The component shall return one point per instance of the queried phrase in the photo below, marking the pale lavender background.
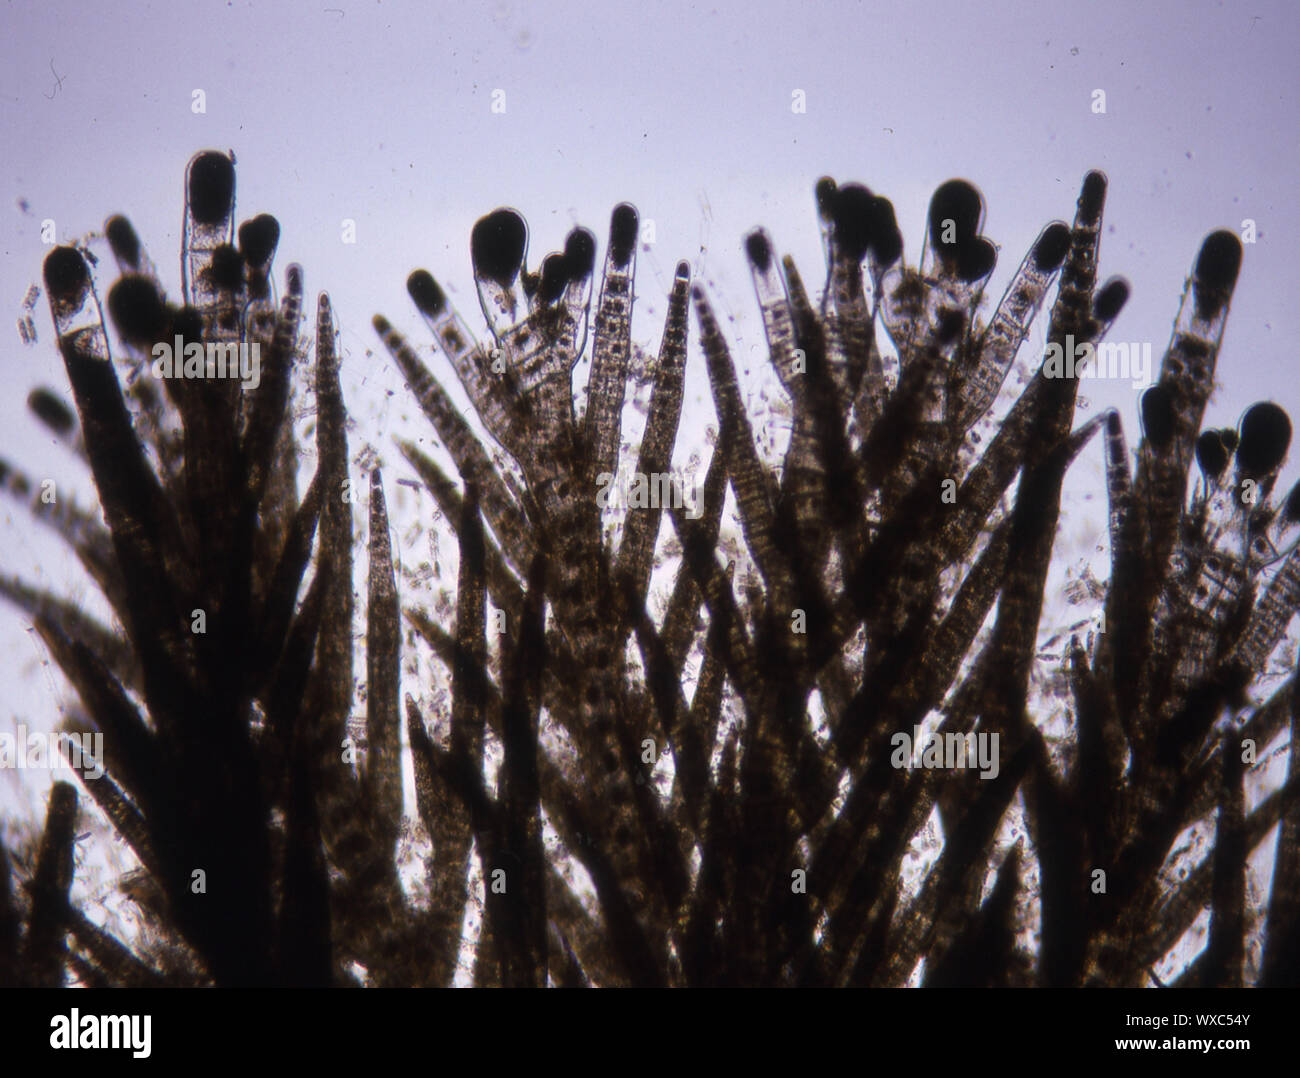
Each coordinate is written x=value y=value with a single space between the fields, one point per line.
x=381 y=113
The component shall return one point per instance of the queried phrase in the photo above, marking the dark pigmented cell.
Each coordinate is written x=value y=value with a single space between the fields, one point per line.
x=1216 y=272
x=137 y=309
x=66 y=276
x=555 y=278
x=957 y=201
x=623 y=224
x=51 y=411
x=1110 y=300
x=854 y=217
x=976 y=259
x=424 y=290
x=886 y=239
x=227 y=268
x=211 y=187
x=758 y=250
x=1158 y=416
x=497 y=246
x=1265 y=438
x=1092 y=198
x=258 y=239
x=580 y=253
x=123 y=240
x=1211 y=454
x=1052 y=245
x=576 y=263
x=825 y=195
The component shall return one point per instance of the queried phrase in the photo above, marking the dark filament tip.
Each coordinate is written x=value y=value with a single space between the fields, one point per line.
x=1052 y=245
x=958 y=201
x=623 y=226
x=976 y=259
x=555 y=278
x=1158 y=416
x=258 y=239
x=1092 y=198
x=758 y=250
x=211 y=187
x=1216 y=272
x=497 y=246
x=854 y=217
x=886 y=239
x=1211 y=454
x=1265 y=438
x=227 y=268
x=580 y=253
x=66 y=276
x=825 y=194
x=429 y=298
x=137 y=309
x=123 y=240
